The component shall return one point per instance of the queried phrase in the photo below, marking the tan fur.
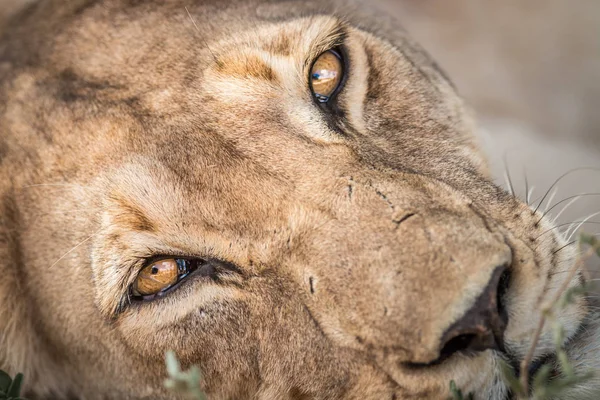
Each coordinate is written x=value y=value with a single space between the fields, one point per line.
x=360 y=234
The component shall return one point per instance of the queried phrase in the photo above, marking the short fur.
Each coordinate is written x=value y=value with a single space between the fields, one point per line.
x=360 y=232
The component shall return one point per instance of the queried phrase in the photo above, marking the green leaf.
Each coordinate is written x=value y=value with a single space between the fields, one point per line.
x=455 y=392
x=183 y=382
x=173 y=367
x=15 y=387
x=540 y=380
x=559 y=386
x=509 y=377
x=569 y=295
x=5 y=381
x=559 y=334
x=565 y=365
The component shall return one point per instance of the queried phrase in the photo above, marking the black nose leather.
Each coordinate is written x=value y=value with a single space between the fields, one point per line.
x=482 y=327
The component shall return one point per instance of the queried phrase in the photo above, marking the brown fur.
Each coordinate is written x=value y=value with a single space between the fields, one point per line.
x=359 y=233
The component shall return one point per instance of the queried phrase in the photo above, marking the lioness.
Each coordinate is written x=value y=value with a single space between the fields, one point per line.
x=287 y=194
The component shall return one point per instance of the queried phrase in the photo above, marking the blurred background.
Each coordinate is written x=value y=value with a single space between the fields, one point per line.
x=531 y=71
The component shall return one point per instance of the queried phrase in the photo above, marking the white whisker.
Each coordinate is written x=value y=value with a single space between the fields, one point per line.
x=553 y=194
x=562 y=177
x=568 y=225
x=526 y=186
x=75 y=211
x=53 y=185
x=529 y=194
x=508 y=183
x=569 y=236
x=571 y=200
x=74 y=248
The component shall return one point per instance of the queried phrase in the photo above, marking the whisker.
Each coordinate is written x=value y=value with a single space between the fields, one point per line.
x=569 y=224
x=566 y=199
x=507 y=176
x=566 y=207
x=571 y=243
x=526 y=186
x=569 y=236
x=552 y=195
x=529 y=193
x=75 y=211
x=591 y=296
x=560 y=178
x=539 y=197
x=75 y=247
x=566 y=245
x=202 y=38
x=53 y=185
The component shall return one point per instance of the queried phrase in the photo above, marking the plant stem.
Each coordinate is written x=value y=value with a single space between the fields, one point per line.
x=524 y=375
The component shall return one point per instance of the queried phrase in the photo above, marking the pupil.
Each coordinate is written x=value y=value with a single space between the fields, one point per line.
x=316 y=76
x=154 y=270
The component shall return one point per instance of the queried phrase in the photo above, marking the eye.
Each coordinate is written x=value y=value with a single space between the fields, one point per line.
x=326 y=75
x=157 y=278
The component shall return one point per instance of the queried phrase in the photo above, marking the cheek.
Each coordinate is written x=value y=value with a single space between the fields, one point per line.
x=220 y=339
x=185 y=321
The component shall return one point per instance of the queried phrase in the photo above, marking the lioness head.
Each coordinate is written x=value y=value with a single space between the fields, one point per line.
x=286 y=194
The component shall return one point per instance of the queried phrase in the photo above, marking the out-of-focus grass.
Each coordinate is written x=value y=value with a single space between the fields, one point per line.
x=183 y=382
x=10 y=388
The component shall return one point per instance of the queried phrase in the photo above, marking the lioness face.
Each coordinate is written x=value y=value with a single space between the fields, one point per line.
x=291 y=200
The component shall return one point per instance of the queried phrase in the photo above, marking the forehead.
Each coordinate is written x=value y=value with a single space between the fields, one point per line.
x=225 y=93
x=224 y=109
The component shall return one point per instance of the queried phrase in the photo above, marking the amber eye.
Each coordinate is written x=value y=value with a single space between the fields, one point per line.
x=326 y=75
x=158 y=277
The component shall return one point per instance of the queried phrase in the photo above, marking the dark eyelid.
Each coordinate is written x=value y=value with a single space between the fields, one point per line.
x=225 y=265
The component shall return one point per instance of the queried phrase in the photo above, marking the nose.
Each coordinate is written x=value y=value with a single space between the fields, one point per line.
x=481 y=327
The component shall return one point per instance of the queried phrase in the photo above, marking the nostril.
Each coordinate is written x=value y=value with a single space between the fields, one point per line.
x=503 y=286
x=482 y=326
x=459 y=343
